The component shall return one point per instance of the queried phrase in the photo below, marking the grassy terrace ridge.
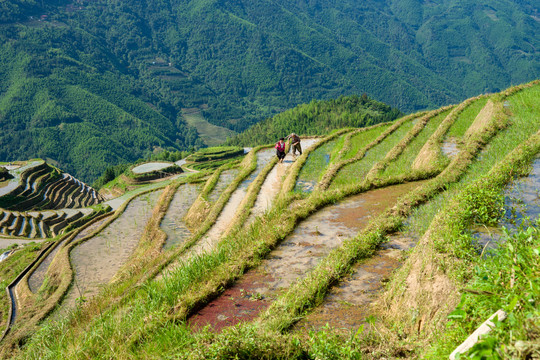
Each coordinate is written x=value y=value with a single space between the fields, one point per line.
x=144 y=311
x=10 y=268
x=60 y=273
x=146 y=254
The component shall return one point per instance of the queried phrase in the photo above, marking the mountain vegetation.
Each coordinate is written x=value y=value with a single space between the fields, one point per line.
x=318 y=118
x=96 y=83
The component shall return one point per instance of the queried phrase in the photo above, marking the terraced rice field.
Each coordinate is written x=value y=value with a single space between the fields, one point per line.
x=310 y=241
x=38 y=275
x=96 y=260
x=173 y=223
x=359 y=169
x=148 y=167
x=295 y=259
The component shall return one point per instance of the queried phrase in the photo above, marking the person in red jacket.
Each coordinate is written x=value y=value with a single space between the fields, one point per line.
x=280 y=149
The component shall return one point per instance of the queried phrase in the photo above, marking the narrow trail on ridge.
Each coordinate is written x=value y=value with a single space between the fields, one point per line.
x=300 y=252
x=97 y=260
x=272 y=184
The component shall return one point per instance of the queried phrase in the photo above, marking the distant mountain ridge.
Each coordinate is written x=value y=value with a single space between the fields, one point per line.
x=95 y=83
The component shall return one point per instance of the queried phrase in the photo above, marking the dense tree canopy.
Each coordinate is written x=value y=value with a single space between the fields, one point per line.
x=110 y=79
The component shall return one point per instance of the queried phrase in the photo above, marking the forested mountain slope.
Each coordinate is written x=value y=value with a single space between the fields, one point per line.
x=111 y=79
x=317 y=118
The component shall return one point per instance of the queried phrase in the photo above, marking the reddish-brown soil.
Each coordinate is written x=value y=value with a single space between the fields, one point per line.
x=300 y=252
x=349 y=303
x=240 y=303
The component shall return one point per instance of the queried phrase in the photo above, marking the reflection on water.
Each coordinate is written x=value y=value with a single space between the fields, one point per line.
x=172 y=223
x=450 y=149
x=312 y=240
x=521 y=209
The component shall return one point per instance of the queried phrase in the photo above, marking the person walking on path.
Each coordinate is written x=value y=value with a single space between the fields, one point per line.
x=295 y=143
x=280 y=149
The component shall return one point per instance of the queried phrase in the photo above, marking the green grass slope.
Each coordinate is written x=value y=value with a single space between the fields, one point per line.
x=142 y=314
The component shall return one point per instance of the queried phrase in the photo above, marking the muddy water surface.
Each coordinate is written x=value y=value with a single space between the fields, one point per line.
x=449 y=148
x=148 y=167
x=225 y=179
x=172 y=222
x=229 y=211
x=348 y=304
x=36 y=278
x=97 y=260
x=314 y=167
x=300 y=252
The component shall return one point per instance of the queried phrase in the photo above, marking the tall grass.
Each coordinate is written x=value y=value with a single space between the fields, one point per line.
x=404 y=162
x=358 y=170
x=465 y=119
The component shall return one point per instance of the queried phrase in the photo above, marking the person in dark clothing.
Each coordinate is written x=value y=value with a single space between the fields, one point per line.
x=280 y=149
x=295 y=143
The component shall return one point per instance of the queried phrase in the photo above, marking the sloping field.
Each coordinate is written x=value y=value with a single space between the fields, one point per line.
x=211 y=134
x=362 y=247
x=96 y=260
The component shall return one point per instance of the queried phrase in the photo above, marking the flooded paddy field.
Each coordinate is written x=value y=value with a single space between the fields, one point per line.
x=521 y=208
x=348 y=304
x=272 y=184
x=149 y=167
x=225 y=179
x=97 y=260
x=38 y=275
x=211 y=238
x=358 y=170
x=172 y=223
x=300 y=252
x=315 y=166
x=229 y=211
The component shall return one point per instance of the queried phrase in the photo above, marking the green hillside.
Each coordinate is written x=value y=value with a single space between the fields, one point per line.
x=318 y=118
x=116 y=77
x=393 y=240
x=73 y=105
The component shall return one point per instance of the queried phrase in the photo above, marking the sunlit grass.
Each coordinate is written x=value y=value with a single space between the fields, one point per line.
x=405 y=160
x=358 y=170
x=466 y=118
x=363 y=138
